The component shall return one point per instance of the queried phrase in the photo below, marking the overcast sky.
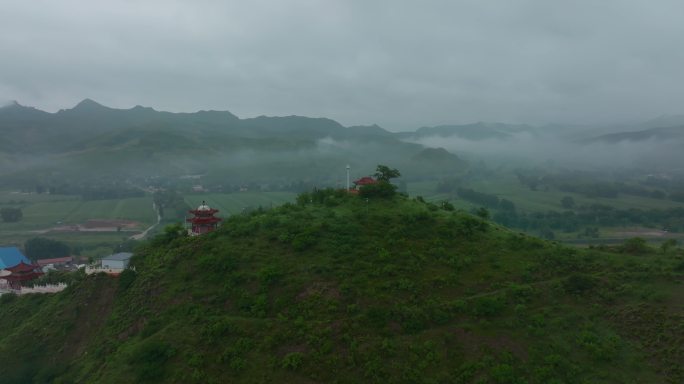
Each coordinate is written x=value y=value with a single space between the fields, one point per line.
x=400 y=64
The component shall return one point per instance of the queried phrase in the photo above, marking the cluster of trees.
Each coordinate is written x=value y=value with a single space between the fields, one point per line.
x=170 y=204
x=11 y=214
x=596 y=215
x=531 y=181
x=677 y=196
x=486 y=200
x=383 y=188
x=449 y=185
x=612 y=190
x=41 y=248
x=91 y=191
x=597 y=189
x=106 y=193
x=328 y=196
x=590 y=185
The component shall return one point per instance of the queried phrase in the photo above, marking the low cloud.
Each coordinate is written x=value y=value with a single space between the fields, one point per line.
x=358 y=62
x=530 y=149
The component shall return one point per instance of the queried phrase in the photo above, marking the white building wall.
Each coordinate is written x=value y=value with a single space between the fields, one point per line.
x=114 y=264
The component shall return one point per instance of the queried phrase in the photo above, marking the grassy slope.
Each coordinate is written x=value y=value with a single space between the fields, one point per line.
x=395 y=291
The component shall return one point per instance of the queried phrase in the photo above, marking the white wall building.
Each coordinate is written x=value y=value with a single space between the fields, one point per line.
x=116 y=261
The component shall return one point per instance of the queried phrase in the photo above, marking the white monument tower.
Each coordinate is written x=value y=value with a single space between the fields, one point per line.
x=348 y=168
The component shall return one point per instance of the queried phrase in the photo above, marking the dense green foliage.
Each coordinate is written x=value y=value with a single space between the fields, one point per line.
x=170 y=205
x=10 y=214
x=337 y=288
x=42 y=248
x=385 y=173
x=573 y=217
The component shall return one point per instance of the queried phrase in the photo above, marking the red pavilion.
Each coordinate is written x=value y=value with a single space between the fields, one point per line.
x=203 y=219
x=366 y=180
x=20 y=273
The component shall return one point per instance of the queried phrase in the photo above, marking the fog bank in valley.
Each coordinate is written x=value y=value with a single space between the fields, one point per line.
x=548 y=150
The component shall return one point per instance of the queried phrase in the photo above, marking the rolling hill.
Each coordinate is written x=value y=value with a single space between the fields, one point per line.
x=339 y=289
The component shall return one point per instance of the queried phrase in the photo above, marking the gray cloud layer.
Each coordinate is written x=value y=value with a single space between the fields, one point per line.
x=400 y=64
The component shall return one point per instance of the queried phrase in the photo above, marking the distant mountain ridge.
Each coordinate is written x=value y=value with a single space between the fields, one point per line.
x=477 y=131
x=88 y=118
x=659 y=133
x=92 y=138
x=38 y=131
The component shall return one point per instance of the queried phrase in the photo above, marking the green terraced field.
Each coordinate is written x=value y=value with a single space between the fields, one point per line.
x=534 y=201
x=232 y=203
x=42 y=212
x=542 y=200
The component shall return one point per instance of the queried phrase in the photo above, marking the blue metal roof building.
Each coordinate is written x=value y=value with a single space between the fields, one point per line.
x=11 y=256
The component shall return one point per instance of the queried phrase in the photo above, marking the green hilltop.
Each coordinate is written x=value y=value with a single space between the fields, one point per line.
x=348 y=289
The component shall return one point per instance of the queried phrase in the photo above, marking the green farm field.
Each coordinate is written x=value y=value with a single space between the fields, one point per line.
x=47 y=211
x=41 y=213
x=542 y=200
x=534 y=201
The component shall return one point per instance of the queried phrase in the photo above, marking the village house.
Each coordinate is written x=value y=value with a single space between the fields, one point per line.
x=112 y=264
x=56 y=263
x=117 y=261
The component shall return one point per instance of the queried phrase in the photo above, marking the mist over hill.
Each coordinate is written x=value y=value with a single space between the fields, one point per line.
x=91 y=140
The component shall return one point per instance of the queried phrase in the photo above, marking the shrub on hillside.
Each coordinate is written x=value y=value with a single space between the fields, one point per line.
x=579 y=283
x=381 y=189
x=42 y=248
x=11 y=215
x=635 y=245
x=149 y=359
x=126 y=278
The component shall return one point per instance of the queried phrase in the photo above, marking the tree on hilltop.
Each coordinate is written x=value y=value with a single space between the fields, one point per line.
x=385 y=173
x=383 y=188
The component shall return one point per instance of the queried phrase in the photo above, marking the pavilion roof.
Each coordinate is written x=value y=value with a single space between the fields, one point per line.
x=22 y=267
x=366 y=180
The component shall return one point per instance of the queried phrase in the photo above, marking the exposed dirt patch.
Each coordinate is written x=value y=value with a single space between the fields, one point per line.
x=99 y=223
x=642 y=232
